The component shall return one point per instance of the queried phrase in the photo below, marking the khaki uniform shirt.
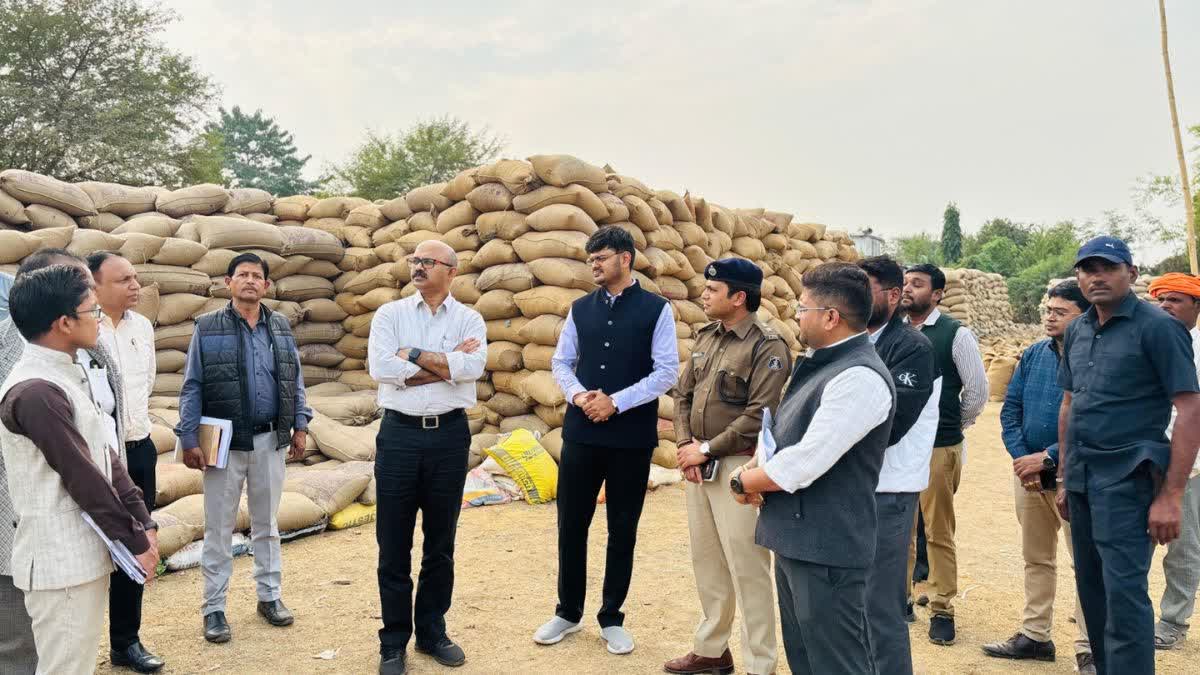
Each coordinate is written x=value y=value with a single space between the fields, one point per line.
x=731 y=376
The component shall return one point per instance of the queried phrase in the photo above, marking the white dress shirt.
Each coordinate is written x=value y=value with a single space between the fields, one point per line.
x=969 y=364
x=103 y=395
x=1174 y=413
x=854 y=402
x=408 y=323
x=664 y=350
x=131 y=344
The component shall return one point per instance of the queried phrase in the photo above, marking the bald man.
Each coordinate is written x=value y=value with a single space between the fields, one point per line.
x=426 y=352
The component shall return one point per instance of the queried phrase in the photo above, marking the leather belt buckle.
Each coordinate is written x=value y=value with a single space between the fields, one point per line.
x=426 y=422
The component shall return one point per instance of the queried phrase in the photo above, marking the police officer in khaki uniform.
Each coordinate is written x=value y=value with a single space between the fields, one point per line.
x=737 y=368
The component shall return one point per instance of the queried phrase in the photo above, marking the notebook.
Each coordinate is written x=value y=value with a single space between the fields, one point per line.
x=122 y=557
x=214 y=436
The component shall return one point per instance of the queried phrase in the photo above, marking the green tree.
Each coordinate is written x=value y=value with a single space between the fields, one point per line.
x=1154 y=194
x=387 y=165
x=1000 y=255
x=952 y=244
x=88 y=90
x=917 y=249
x=202 y=160
x=260 y=154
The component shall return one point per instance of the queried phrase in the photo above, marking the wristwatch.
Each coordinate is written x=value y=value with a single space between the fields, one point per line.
x=705 y=451
x=1048 y=463
x=735 y=484
x=414 y=354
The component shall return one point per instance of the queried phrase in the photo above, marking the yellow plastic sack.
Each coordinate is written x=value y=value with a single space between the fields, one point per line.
x=527 y=463
x=352 y=516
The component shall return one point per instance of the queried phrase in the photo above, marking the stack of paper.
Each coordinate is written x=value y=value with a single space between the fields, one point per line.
x=122 y=558
x=766 y=442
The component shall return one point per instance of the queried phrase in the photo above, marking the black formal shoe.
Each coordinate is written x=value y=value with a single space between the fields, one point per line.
x=391 y=662
x=445 y=652
x=941 y=630
x=216 y=628
x=275 y=613
x=1021 y=647
x=136 y=657
x=909 y=616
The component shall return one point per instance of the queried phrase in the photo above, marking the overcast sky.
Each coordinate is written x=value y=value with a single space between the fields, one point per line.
x=854 y=113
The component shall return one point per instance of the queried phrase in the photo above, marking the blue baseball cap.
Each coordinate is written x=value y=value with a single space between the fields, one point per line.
x=1109 y=248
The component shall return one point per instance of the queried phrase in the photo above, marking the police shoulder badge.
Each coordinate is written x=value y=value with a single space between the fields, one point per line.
x=775 y=363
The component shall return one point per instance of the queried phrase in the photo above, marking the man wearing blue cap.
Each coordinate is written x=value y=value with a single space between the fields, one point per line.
x=737 y=368
x=1121 y=483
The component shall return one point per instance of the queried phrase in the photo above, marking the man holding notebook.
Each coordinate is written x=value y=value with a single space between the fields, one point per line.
x=243 y=366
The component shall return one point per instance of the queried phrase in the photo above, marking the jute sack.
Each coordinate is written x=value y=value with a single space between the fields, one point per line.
x=622 y=186
x=179 y=307
x=175 y=481
x=317 y=268
x=672 y=288
x=105 y=222
x=33 y=188
x=168 y=384
x=462 y=238
x=505 y=356
x=322 y=310
x=379 y=276
x=395 y=209
x=357 y=409
x=358 y=326
x=664 y=455
x=293 y=208
x=140 y=248
x=564 y=272
x=12 y=211
x=427 y=198
x=332 y=491
x=335 y=207
x=458 y=215
x=689 y=312
x=508 y=405
x=510 y=277
x=496 y=304
x=412 y=240
x=534 y=245
x=463 y=289
x=170 y=361
x=750 y=248
x=494 y=252
x=318 y=333
x=179 y=253
x=16 y=246
x=378 y=297
x=353 y=346
x=530 y=423
x=553 y=416
x=299 y=288
x=553 y=442
x=661 y=263
x=510 y=383
x=646 y=282
x=506 y=330
x=541 y=387
x=320 y=355
x=826 y=250
x=514 y=174
x=186 y=230
x=148 y=301
x=661 y=213
x=542 y=197
x=291 y=265
x=174 y=534
x=334 y=226
x=42 y=217
x=315 y=244
x=685 y=271
x=319 y=375
x=543 y=330
x=562 y=170
x=358 y=237
x=640 y=213
x=198 y=199
x=55 y=237
x=238 y=234
x=178 y=336
x=358 y=259
x=490 y=197
x=617 y=210
x=667 y=238
x=163 y=438
x=680 y=212
x=327 y=389
x=169 y=279
x=119 y=200
x=507 y=225
x=248 y=200
x=547 y=300
x=999 y=374
x=358 y=380
x=297 y=512
x=341 y=442
x=424 y=221
x=389 y=233
x=537 y=357
x=367 y=216
x=561 y=217
x=460 y=186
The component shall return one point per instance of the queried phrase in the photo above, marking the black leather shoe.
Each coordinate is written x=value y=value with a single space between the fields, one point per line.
x=909 y=616
x=275 y=613
x=1021 y=647
x=941 y=630
x=391 y=662
x=136 y=657
x=445 y=652
x=216 y=628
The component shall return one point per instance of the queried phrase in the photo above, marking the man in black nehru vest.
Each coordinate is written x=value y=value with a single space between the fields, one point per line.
x=616 y=355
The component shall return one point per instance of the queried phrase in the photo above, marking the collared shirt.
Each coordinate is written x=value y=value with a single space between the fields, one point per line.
x=969 y=364
x=1029 y=418
x=6 y=283
x=408 y=323
x=131 y=344
x=664 y=351
x=854 y=402
x=733 y=373
x=102 y=394
x=1195 y=333
x=1122 y=377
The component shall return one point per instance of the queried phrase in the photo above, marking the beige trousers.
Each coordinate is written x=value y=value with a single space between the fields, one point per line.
x=67 y=626
x=731 y=571
x=1040 y=522
x=937 y=506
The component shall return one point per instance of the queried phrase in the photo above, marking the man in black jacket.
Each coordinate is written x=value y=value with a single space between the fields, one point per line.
x=909 y=358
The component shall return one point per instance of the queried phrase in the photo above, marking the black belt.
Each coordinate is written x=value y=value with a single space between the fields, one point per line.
x=130 y=445
x=263 y=428
x=427 y=422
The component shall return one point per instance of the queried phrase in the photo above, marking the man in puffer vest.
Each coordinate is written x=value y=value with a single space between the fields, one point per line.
x=62 y=466
x=243 y=366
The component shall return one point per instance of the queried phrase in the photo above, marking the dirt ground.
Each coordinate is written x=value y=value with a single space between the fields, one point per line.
x=506 y=588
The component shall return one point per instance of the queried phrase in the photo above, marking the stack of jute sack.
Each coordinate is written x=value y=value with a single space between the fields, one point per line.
x=1002 y=353
x=979 y=300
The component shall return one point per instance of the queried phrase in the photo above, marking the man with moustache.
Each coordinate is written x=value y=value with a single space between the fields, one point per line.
x=737 y=368
x=1121 y=484
x=1179 y=295
x=426 y=352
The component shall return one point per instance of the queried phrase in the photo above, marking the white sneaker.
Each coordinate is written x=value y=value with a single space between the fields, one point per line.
x=553 y=631
x=619 y=640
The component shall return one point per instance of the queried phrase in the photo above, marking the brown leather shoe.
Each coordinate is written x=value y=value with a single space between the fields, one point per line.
x=692 y=664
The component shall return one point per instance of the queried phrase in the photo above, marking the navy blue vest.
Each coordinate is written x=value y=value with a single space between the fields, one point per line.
x=615 y=346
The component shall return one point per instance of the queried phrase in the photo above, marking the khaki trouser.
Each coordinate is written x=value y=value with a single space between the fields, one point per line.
x=67 y=626
x=731 y=571
x=937 y=506
x=1040 y=521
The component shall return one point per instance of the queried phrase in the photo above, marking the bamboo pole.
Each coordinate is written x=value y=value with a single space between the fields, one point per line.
x=1188 y=206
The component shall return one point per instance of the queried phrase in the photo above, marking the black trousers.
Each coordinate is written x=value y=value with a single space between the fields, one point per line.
x=124 y=594
x=583 y=469
x=823 y=615
x=418 y=470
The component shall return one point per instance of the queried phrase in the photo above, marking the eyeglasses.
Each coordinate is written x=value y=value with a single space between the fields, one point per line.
x=593 y=260
x=96 y=313
x=1057 y=312
x=426 y=263
x=800 y=309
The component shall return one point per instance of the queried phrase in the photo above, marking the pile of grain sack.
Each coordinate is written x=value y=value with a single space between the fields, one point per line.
x=519 y=228
x=979 y=300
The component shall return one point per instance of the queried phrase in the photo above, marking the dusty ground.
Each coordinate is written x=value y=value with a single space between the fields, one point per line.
x=506 y=588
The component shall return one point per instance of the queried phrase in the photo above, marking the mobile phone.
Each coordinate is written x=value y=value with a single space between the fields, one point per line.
x=708 y=470
x=1049 y=478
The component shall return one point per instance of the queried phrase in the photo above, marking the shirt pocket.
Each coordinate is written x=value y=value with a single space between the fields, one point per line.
x=733 y=387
